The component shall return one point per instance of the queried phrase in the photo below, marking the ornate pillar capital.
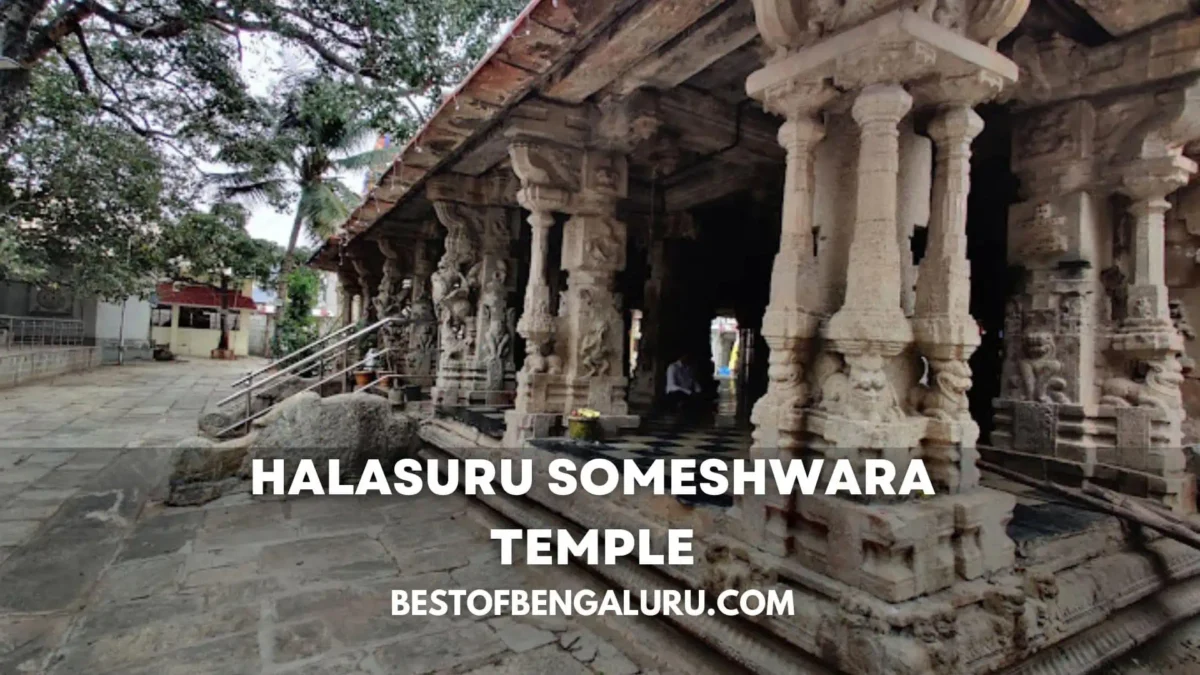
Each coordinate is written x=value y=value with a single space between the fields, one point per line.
x=800 y=132
x=955 y=126
x=882 y=105
x=1154 y=179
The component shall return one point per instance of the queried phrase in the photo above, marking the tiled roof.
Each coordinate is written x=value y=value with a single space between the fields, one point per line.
x=200 y=296
x=539 y=38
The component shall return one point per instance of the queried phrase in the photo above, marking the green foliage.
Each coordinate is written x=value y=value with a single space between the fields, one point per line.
x=82 y=200
x=172 y=68
x=318 y=132
x=205 y=247
x=296 y=326
x=102 y=130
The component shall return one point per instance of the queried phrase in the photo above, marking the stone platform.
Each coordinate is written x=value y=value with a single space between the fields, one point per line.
x=1084 y=590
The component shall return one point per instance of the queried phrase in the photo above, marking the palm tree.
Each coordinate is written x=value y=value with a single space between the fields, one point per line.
x=318 y=133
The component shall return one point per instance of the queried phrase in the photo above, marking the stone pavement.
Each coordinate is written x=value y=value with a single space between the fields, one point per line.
x=99 y=578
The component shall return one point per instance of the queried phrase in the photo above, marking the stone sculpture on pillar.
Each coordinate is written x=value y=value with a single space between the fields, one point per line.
x=455 y=288
x=575 y=359
x=1092 y=371
x=390 y=301
x=945 y=332
x=421 y=357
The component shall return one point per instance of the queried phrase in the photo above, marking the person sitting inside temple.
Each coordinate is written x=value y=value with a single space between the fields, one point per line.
x=684 y=392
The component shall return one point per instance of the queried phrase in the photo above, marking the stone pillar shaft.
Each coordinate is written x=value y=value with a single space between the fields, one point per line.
x=788 y=327
x=421 y=358
x=536 y=324
x=875 y=253
x=788 y=323
x=953 y=131
x=1149 y=247
x=943 y=326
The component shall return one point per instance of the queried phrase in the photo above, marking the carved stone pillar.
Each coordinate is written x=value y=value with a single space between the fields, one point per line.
x=861 y=375
x=593 y=252
x=1091 y=384
x=944 y=329
x=659 y=320
x=573 y=360
x=421 y=358
x=547 y=178
x=860 y=405
x=366 y=284
x=789 y=325
x=389 y=303
x=455 y=291
x=347 y=290
x=1145 y=394
x=496 y=321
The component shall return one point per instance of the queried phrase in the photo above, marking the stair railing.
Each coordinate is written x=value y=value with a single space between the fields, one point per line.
x=275 y=364
x=250 y=417
x=338 y=348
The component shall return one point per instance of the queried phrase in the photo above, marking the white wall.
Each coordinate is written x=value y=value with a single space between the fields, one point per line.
x=103 y=320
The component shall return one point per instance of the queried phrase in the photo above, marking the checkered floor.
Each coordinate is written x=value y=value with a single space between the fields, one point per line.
x=662 y=440
x=669 y=439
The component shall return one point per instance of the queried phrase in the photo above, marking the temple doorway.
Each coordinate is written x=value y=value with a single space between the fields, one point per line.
x=987 y=241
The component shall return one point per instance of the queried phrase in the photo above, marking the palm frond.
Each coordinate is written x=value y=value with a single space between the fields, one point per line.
x=370 y=159
x=261 y=192
x=323 y=208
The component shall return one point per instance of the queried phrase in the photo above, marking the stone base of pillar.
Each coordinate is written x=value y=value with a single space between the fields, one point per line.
x=523 y=426
x=461 y=384
x=1135 y=450
x=605 y=395
x=950 y=452
x=898 y=552
x=838 y=433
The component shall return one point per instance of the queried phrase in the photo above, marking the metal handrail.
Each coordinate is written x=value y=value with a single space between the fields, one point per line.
x=309 y=359
x=341 y=373
x=250 y=376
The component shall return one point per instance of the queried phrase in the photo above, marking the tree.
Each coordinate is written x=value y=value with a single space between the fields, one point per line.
x=82 y=199
x=319 y=133
x=296 y=326
x=214 y=246
x=170 y=69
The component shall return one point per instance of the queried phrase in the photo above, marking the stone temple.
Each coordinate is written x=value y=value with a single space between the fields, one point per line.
x=953 y=230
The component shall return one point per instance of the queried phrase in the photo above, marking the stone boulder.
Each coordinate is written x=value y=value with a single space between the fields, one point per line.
x=212 y=422
x=203 y=470
x=350 y=427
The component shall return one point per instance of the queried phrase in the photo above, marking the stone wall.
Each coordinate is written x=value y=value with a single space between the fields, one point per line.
x=19 y=367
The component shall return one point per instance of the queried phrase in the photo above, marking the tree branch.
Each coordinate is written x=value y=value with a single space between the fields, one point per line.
x=48 y=37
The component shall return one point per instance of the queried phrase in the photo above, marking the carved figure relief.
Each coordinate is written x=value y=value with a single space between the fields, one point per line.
x=495 y=345
x=787 y=390
x=452 y=302
x=603 y=248
x=1038 y=377
x=538 y=362
x=861 y=391
x=1043 y=235
x=594 y=352
x=947 y=398
x=1160 y=388
x=730 y=569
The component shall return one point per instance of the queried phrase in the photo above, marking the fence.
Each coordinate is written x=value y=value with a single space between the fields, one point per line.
x=17 y=332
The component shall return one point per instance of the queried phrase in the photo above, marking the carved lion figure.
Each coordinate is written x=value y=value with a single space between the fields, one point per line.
x=861 y=391
x=1039 y=378
x=946 y=399
x=1159 y=390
